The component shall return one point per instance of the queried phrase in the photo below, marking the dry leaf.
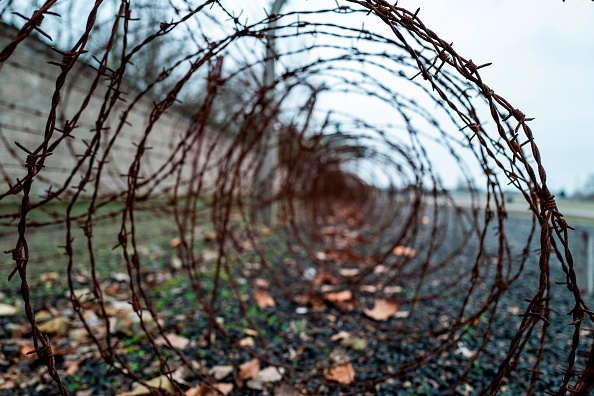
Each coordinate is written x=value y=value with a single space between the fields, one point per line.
x=342 y=373
x=344 y=300
x=205 y=390
x=340 y=296
x=71 y=367
x=263 y=300
x=382 y=309
x=48 y=277
x=250 y=332
x=404 y=251
x=248 y=370
x=161 y=382
x=262 y=283
x=54 y=326
x=356 y=343
x=340 y=335
x=246 y=342
x=176 y=341
x=270 y=374
x=175 y=242
x=286 y=390
x=8 y=310
x=349 y=272
x=220 y=372
x=7 y=385
x=27 y=351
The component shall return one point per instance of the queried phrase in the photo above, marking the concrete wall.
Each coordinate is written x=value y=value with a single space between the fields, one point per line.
x=27 y=83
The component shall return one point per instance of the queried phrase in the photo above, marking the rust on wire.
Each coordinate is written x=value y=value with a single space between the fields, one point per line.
x=357 y=203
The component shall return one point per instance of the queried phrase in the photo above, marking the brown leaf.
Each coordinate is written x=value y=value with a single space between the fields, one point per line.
x=382 y=310
x=27 y=351
x=246 y=342
x=220 y=372
x=175 y=242
x=48 y=277
x=342 y=373
x=71 y=367
x=161 y=382
x=263 y=300
x=404 y=251
x=344 y=300
x=205 y=390
x=7 y=385
x=325 y=278
x=176 y=341
x=349 y=272
x=262 y=283
x=286 y=390
x=340 y=296
x=249 y=370
x=341 y=335
x=250 y=332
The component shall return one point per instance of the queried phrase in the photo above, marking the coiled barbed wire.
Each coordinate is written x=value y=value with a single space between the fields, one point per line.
x=349 y=190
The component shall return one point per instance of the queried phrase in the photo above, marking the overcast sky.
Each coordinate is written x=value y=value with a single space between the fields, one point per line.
x=543 y=63
x=542 y=53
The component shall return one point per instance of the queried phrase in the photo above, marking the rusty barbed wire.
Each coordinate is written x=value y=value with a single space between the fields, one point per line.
x=360 y=204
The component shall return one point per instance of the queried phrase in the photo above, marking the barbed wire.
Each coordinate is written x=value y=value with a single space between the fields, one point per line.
x=394 y=206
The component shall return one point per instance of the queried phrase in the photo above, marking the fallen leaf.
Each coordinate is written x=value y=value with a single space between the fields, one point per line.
x=27 y=351
x=205 y=390
x=246 y=342
x=464 y=351
x=161 y=382
x=368 y=289
x=220 y=372
x=248 y=370
x=175 y=242
x=176 y=341
x=262 y=283
x=250 y=332
x=48 y=277
x=325 y=278
x=7 y=385
x=54 y=326
x=343 y=373
x=7 y=310
x=340 y=335
x=263 y=300
x=356 y=343
x=349 y=272
x=382 y=310
x=270 y=374
x=404 y=251
x=286 y=390
x=340 y=296
x=321 y=256
x=267 y=375
x=71 y=367
x=344 y=300
x=176 y=262
x=393 y=289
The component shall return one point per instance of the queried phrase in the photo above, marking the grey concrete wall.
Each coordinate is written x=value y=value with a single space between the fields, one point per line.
x=27 y=83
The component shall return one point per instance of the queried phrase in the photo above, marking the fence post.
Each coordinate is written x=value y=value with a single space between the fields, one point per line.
x=589 y=262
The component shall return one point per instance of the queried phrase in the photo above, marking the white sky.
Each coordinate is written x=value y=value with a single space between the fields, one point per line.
x=543 y=56
x=542 y=53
